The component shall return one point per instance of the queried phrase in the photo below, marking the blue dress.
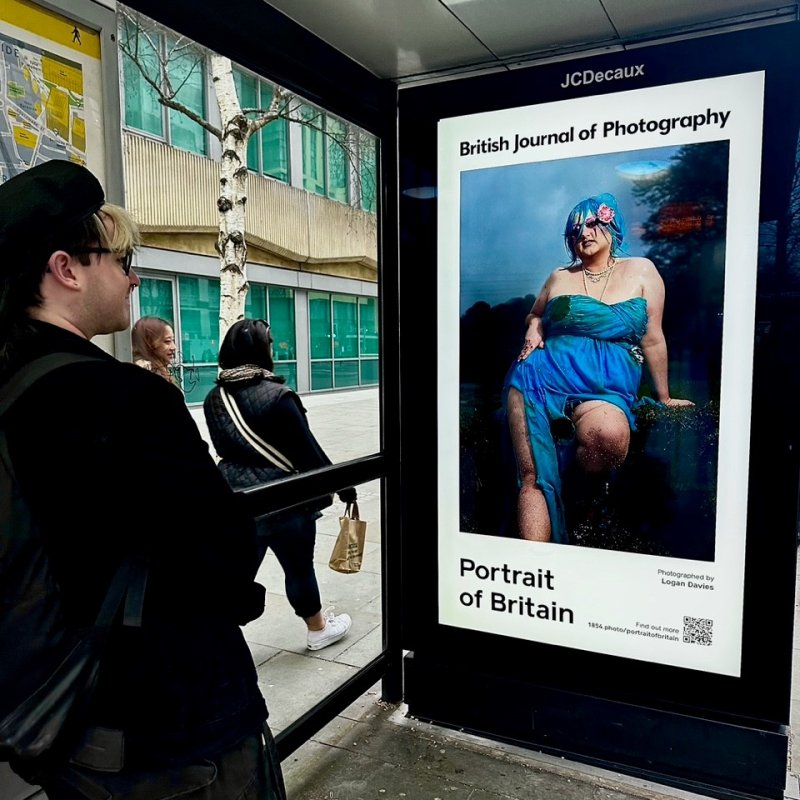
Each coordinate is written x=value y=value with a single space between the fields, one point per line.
x=592 y=352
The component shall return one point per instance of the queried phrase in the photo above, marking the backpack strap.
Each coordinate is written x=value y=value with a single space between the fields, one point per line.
x=29 y=373
x=266 y=450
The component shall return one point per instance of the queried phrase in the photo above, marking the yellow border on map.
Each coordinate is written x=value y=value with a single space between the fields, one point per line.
x=55 y=27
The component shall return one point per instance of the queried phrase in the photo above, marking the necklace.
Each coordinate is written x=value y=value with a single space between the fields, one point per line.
x=608 y=271
x=596 y=277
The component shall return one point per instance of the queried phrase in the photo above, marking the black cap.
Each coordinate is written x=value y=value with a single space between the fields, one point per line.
x=40 y=204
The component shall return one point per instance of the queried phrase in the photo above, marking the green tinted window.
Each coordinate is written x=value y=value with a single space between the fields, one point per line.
x=274 y=142
x=281 y=319
x=345 y=326
x=255 y=305
x=313 y=150
x=368 y=325
x=369 y=371
x=289 y=371
x=155 y=299
x=199 y=307
x=198 y=382
x=321 y=375
x=247 y=91
x=186 y=70
x=345 y=373
x=319 y=312
x=142 y=109
x=338 y=172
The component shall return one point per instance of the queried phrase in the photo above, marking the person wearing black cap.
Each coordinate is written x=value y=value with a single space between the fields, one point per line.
x=177 y=703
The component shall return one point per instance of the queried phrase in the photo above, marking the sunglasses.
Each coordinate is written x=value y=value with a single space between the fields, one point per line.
x=591 y=222
x=125 y=260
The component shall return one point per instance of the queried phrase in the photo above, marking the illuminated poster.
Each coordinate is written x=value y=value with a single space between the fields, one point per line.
x=641 y=553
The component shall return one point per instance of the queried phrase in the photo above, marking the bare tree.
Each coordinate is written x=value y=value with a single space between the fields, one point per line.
x=139 y=41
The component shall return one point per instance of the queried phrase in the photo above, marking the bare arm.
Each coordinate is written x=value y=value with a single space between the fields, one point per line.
x=534 y=336
x=654 y=345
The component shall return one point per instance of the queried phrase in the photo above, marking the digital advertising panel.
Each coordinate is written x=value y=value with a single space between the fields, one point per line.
x=592 y=488
x=600 y=278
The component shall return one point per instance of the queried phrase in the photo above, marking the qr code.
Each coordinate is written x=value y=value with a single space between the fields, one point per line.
x=697 y=630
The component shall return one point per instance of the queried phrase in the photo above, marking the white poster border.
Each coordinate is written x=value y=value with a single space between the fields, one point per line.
x=617 y=603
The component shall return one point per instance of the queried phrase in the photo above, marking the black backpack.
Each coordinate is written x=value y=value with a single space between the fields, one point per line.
x=47 y=670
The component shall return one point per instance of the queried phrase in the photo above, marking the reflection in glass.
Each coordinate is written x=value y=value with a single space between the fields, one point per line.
x=142 y=109
x=274 y=143
x=187 y=71
x=155 y=299
x=338 y=165
x=345 y=326
x=197 y=382
x=319 y=311
x=199 y=303
x=321 y=375
x=313 y=150
x=368 y=325
x=281 y=318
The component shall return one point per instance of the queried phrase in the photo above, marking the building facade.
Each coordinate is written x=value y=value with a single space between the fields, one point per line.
x=311 y=224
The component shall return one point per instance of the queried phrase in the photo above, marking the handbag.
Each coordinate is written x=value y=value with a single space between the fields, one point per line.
x=348 y=549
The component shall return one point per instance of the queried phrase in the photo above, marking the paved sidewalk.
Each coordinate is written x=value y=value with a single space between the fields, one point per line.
x=373 y=751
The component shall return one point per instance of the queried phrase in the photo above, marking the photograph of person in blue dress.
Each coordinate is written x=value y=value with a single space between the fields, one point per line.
x=571 y=394
x=592 y=300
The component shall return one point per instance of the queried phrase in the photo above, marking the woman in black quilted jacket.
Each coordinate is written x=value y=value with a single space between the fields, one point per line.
x=259 y=429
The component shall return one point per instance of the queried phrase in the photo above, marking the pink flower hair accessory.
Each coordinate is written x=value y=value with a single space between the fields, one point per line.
x=605 y=214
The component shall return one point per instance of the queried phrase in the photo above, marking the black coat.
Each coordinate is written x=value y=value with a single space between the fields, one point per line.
x=112 y=463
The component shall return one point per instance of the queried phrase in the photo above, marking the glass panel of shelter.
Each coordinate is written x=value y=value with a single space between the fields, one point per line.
x=325 y=335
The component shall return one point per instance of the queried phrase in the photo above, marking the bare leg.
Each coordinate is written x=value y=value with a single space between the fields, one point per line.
x=315 y=623
x=603 y=436
x=532 y=515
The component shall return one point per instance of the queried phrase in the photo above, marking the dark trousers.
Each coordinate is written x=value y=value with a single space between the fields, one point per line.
x=292 y=539
x=249 y=771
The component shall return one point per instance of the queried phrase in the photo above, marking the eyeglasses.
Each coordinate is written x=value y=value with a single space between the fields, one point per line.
x=125 y=260
x=591 y=222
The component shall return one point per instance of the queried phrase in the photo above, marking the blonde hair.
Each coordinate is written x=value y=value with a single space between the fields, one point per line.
x=126 y=234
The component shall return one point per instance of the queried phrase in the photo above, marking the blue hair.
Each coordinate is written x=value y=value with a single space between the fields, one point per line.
x=589 y=207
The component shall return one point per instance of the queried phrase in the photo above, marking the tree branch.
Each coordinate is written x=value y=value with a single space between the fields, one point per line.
x=181 y=108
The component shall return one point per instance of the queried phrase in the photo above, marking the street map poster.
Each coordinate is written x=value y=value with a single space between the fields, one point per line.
x=50 y=88
x=652 y=565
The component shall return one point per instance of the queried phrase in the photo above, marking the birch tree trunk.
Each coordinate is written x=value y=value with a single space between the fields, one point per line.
x=231 y=242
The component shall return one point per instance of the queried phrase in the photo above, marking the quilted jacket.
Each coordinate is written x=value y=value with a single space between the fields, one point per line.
x=276 y=414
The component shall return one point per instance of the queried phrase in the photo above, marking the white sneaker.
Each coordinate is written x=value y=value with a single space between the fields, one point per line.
x=335 y=628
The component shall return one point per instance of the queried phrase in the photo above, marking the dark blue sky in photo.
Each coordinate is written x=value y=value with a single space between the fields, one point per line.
x=513 y=217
